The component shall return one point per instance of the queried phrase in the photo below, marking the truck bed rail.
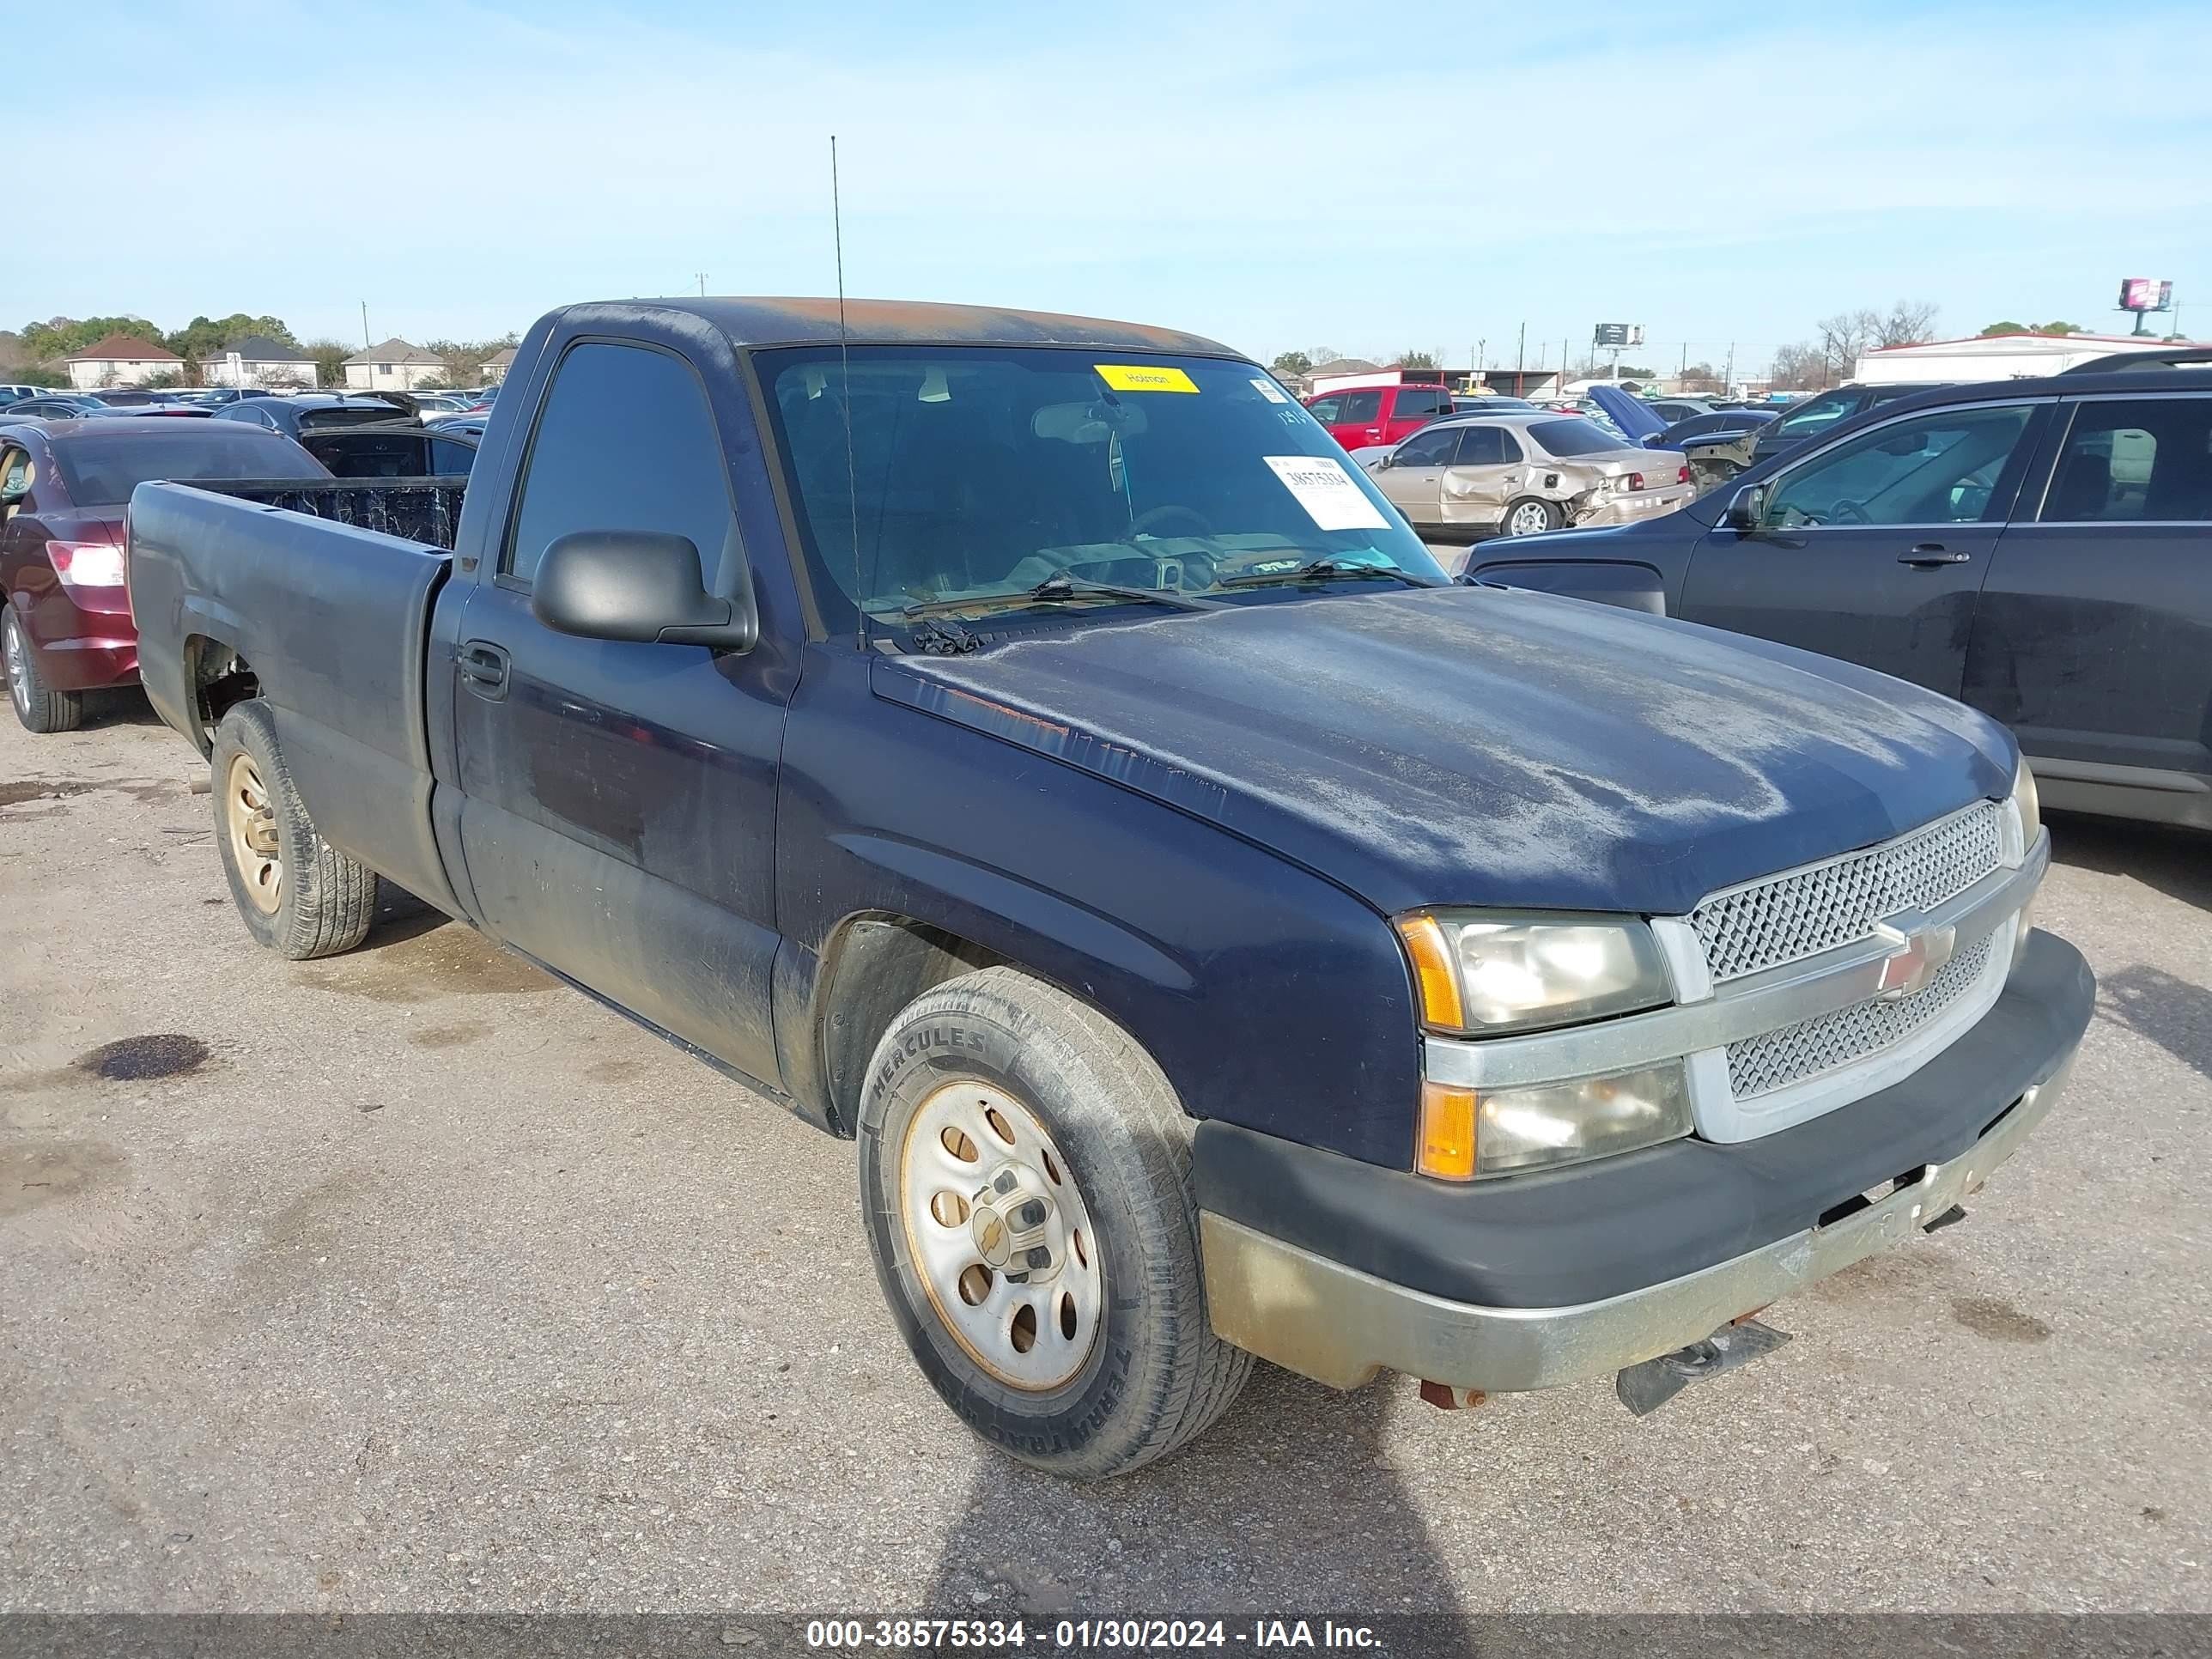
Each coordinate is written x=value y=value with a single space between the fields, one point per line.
x=425 y=510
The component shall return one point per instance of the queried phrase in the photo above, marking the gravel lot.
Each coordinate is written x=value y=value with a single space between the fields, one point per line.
x=433 y=1286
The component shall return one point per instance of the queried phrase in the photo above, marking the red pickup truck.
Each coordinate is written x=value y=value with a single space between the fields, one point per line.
x=1360 y=416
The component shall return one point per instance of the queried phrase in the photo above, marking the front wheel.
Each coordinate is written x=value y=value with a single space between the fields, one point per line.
x=40 y=709
x=1026 y=1175
x=1532 y=517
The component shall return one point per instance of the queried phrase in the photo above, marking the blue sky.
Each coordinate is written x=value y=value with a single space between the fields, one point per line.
x=1369 y=178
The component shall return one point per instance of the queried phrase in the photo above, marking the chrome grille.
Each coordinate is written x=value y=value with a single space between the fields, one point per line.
x=1807 y=911
x=1775 y=1059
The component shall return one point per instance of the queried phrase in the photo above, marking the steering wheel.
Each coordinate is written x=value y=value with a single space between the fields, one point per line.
x=1148 y=523
x=1846 y=511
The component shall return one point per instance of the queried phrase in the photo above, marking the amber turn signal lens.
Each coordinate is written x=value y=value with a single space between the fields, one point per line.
x=1433 y=971
x=1447 y=1148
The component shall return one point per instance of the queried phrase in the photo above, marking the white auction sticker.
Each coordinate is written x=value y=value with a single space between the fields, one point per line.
x=1327 y=492
x=1270 y=391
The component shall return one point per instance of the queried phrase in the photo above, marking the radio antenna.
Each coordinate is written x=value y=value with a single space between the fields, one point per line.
x=845 y=375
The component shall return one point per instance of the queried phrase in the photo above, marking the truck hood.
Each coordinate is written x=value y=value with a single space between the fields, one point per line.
x=1482 y=746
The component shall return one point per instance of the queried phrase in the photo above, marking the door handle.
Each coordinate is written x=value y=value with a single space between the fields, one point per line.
x=484 y=667
x=1927 y=554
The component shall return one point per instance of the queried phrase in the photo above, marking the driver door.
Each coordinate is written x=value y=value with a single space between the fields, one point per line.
x=1875 y=548
x=1414 y=478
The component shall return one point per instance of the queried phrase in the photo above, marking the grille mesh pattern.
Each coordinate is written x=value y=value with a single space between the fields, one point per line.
x=1775 y=1059
x=1801 y=914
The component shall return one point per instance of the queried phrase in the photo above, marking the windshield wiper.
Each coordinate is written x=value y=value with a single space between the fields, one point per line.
x=1060 y=587
x=1327 y=568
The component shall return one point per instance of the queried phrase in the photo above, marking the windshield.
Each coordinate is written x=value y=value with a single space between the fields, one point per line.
x=1824 y=410
x=981 y=472
x=102 y=469
x=1573 y=436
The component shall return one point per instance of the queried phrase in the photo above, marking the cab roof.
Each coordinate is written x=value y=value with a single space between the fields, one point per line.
x=771 y=322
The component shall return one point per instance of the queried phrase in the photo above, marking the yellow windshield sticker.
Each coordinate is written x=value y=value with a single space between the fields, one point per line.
x=1143 y=377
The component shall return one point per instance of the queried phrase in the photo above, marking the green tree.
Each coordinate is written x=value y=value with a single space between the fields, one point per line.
x=208 y=336
x=330 y=357
x=57 y=338
x=2006 y=327
x=1290 y=364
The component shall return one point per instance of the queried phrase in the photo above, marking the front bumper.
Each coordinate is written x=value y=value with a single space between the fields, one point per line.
x=1336 y=1269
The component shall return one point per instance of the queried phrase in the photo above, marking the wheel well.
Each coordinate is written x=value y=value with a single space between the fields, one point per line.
x=216 y=677
x=874 y=967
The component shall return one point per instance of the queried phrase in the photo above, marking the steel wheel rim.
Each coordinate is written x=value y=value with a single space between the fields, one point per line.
x=18 y=666
x=1031 y=1326
x=1529 y=520
x=251 y=823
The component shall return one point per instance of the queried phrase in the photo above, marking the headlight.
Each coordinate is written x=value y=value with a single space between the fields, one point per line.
x=2031 y=808
x=1467 y=1133
x=1485 y=975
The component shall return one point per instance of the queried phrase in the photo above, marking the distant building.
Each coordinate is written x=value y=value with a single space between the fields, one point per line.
x=1994 y=357
x=496 y=364
x=258 y=360
x=395 y=366
x=120 y=360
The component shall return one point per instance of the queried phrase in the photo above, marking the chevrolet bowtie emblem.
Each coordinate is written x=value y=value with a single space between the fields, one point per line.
x=1921 y=952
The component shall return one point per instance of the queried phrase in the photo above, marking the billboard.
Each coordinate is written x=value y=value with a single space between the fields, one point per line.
x=2146 y=294
x=1620 y=334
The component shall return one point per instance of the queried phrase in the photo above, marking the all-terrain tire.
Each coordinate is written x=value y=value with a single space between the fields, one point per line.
x=1155 y=1375
x=40 y=708
x=322 y=901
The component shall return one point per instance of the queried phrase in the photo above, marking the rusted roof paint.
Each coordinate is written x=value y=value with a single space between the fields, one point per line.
x=767 y=322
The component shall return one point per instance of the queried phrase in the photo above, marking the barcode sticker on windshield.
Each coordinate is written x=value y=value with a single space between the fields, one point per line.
x=1267 y=389
x=1327 y=492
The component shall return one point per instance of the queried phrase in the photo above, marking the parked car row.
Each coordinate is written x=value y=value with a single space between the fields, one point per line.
x=2040 y=548
x=65 y=626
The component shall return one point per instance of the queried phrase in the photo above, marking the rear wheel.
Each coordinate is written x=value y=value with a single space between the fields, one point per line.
x=1024 y=1170
x=1531 y=517
x=297 y=895
x=40 y=709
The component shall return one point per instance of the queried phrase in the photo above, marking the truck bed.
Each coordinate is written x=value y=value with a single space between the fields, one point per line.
x=323 y=591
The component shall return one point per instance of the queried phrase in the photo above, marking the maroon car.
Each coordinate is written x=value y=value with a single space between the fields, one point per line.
x=65 y=625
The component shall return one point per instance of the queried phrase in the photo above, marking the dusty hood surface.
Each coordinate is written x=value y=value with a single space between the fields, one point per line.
x=1480 y=746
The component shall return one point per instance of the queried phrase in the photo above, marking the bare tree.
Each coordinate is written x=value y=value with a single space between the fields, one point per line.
x=1910 y=322
x=1844 y=336
x=1699 y=377
x=1800 y=368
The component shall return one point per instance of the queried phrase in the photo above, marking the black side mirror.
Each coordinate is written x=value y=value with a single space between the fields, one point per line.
x=1745 y=507
x=637 y=584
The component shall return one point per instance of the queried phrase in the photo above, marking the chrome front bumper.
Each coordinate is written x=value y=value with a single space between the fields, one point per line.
x=1339 y=1325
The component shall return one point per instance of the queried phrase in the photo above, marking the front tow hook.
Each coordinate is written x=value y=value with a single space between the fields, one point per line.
x=1644 y=1389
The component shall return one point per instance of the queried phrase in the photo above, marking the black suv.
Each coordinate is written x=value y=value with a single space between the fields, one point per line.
x=2041 y=549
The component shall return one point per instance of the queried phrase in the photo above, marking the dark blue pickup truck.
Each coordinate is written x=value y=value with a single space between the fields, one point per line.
x=1025 y=745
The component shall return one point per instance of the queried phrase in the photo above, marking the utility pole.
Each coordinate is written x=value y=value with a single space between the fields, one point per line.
x=1728 y=374
x=702 y=275
x=365 y=342
x=1521 y=364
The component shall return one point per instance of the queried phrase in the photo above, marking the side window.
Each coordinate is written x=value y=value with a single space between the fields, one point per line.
x=625 y=441
x=15 y=481
x=1326 y=411
x=1361 y=406
x=1416 y=401
x=1482 y=446
x=2135 y=459
x=1935 y=468
x=1429 y=447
